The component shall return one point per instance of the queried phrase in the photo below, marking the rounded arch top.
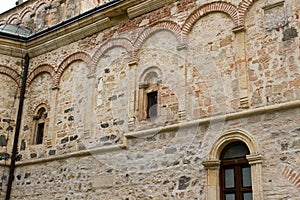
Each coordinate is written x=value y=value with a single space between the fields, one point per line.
x=40 y=104
x=38 y=4
x=106 y=46
x=168 y=25
x=13 y=19
x=79 y=56
x=45 y=68
x=232 y=136
x=24 y=12
x=11 y=73
x=243 y=7
x=224 y=7
x=150 y=74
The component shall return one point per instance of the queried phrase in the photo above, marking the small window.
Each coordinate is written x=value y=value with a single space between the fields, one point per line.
x=40 y=133
x=152 y=104
x=235 y=173
x=40 y=126
x=149 y=94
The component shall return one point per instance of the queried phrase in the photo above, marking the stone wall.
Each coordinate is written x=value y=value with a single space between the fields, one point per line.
x=166 y=165
x=273 y=79
x=217 y=67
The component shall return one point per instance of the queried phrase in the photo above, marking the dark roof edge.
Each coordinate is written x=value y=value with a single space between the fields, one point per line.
x=13 y=37
x=61 y=24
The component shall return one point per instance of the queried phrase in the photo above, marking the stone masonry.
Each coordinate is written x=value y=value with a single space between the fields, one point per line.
x=223 y=70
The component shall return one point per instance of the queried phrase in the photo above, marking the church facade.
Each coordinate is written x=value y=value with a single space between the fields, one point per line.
x=135 y=99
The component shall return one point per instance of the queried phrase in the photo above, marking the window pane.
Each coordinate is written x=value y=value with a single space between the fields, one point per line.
x=235 y=150
x=246 y=173
x=152 y=104
x=247 y=196
x=229 y=178
x=229 y=196
x=40 y=133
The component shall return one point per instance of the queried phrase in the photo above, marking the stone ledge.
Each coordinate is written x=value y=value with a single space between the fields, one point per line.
x=142 y=133
x=238 y=29
x=213 y=119
x=74 y=154
x=268 y=7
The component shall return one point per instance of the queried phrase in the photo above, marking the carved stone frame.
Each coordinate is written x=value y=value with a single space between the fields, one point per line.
x=145 y=86
x=212 y=164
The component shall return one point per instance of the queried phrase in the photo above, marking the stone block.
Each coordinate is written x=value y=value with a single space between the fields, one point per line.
x=104 y=182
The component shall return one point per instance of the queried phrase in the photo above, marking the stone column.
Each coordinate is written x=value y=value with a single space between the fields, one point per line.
x=242 y=67
x=255 y=161
x=213 y=170
x=89 y=114
x=132 y=94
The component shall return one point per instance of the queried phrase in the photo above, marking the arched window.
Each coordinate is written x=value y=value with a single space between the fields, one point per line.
x=40 y=119
x=235 y=173
x=149 y=93
x=234 y=159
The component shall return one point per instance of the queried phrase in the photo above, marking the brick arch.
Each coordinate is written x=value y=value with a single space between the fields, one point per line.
x=35 y=106
x=24 y=12
x=79 y=56
x=203 y=10
x=112 y=43
x=11 y=73
x=243 y=7
x=38 y=4
x=171 y=26
x=44 y=68
x=289 y=173
x=12 y=18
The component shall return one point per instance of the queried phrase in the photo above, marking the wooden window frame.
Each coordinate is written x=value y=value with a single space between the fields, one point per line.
x=145 y=89
x=152 y=102
x=212 y=163
x=237 y=164
x=39 y=121
x=40 y=133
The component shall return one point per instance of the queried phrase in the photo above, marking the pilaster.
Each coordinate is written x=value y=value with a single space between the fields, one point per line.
x=182 y=89
x=132 y=94
x=51 y=135
x=255 y=160
x=213 y=168
x=241 y=63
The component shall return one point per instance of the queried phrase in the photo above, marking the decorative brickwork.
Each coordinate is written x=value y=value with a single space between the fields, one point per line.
x=203 y=10
x=27 y=10
x=117 y=42
x=243 y=7
x=45 y=68
x=291 y=175
x=11 y=73
x=171 y=26
x=67 y=61
x=33 y=108
x=13 y=19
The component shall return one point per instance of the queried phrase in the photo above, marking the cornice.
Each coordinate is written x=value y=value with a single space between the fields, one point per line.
x=77 y=28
